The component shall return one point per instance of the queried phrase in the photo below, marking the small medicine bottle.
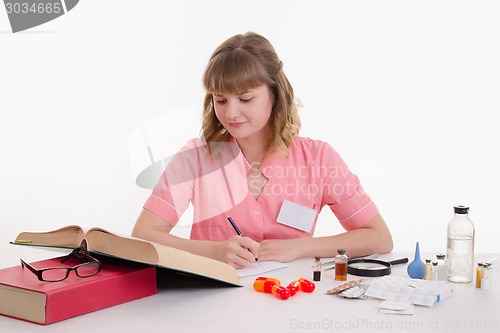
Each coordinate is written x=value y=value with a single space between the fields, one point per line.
x=427 y=269
x=317 y=269
x=435 y=271
x=486 y=280
x=441 y=260
x=341 y=265
x=479 y=274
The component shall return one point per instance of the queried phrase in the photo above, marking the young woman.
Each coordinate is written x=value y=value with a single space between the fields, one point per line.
x=251 y=164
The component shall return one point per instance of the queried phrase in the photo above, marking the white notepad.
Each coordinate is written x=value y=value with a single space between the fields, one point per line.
x=259 y=268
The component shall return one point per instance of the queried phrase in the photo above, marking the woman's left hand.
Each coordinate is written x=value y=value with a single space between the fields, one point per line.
x=283 y=250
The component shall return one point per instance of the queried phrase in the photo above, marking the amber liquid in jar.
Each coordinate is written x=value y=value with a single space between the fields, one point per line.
x=341 y=271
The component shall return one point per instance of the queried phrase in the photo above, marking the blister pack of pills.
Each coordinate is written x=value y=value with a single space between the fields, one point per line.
x=405 y=290
x=344 y=286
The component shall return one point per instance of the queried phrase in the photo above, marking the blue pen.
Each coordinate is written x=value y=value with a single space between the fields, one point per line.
x=229 y=218
x=234 y=226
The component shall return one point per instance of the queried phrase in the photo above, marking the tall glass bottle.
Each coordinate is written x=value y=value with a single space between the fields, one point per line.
x=460 y=248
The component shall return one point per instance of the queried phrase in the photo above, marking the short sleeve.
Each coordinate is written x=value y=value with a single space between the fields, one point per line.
x=342 y=191
x=174 y=190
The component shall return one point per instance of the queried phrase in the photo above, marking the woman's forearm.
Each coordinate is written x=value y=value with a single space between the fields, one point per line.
x=154 y=229
x=237 y=251
x=374 y=237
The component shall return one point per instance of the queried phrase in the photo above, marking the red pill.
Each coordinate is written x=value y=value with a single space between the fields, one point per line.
x=265 y=284
x=281 y=292
x=293 y=287
x=306 y=285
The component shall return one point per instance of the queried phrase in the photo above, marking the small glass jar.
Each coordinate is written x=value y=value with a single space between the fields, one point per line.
x=435 y=271
x=441 y=260
x=341 y=265
x=428 y=270
x=486 y=281
x=479 y=274
x=317 y=269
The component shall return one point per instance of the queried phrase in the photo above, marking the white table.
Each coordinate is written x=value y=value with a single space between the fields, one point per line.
x=187 y=307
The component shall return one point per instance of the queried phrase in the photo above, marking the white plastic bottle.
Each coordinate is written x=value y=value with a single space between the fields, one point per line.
x=460 y=247
x=441 y=259
x=486 y=281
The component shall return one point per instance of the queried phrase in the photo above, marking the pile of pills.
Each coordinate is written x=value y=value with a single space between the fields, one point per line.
x=273 y=286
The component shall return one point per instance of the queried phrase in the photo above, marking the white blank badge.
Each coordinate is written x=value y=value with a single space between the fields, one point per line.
x=296 y=216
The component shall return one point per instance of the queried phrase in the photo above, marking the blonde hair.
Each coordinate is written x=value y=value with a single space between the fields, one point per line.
x=241 y=63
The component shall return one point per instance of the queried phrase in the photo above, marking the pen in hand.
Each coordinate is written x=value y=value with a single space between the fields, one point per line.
x=235 y=227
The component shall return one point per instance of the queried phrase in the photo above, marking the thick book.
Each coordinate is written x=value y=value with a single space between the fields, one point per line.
x=101 y=241
x=23 y=296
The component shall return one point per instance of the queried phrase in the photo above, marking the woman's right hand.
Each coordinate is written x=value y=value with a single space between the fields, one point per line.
x=237 y=251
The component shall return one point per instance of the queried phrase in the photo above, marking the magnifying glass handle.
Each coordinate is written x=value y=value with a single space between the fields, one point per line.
x=399 y=261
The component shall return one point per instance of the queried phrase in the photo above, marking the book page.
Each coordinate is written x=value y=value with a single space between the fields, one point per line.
x=125 y=247
x=259 y=268
x=22 y=303
x=104 y=242
x=101 y=241
x=191 y=263
x=69 y=237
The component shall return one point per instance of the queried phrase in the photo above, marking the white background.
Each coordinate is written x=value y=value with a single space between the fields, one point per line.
x=406 y=91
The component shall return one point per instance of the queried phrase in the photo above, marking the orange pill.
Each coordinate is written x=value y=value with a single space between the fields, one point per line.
x=306 y=285
x=293 y=287
x=265 y=284
x=280 y=292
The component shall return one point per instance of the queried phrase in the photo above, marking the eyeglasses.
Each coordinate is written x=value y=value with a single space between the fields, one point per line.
x=56 y=274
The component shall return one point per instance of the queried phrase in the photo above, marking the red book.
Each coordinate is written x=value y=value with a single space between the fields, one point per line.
x=24 y=297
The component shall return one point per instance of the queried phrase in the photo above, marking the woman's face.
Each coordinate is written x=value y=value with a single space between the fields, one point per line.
x=245 y=115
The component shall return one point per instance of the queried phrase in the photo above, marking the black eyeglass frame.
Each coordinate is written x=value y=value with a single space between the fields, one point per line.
x=77 y=253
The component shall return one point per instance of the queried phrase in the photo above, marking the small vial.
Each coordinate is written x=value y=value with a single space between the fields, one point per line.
x=428 y=270
x=479 y=274
x=486 y=281
x=435 y=271
x=441 y=259
x=317 y=269
x=341 y=265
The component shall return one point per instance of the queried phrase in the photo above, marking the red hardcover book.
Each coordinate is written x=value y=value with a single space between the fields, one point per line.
x=23 y=296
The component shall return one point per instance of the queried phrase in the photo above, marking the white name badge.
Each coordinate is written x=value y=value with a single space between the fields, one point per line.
x=296 y=216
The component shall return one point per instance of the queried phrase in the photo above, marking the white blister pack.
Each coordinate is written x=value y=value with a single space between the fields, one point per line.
x=405 y=290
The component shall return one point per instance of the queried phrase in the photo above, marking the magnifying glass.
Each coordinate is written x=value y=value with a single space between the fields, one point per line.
x=372 y=267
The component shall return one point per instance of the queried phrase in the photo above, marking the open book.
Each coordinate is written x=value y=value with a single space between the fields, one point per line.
x=100 y=241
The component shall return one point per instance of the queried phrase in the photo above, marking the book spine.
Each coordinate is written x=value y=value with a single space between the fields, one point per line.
x=117 y=289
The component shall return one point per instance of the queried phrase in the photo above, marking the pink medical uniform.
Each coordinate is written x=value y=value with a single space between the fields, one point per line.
x=313 y=175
